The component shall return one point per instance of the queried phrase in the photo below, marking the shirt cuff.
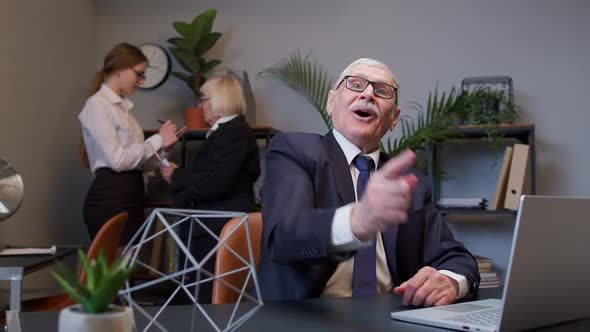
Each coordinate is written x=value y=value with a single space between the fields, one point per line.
x=156 y=142
x=461 y=280
x=342 y=238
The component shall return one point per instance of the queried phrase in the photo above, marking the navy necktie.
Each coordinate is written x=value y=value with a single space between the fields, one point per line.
x=364 y=278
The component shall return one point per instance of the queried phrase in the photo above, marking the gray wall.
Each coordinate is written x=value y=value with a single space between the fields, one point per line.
x=46 y=62
x=52 y=48
x=542 y=45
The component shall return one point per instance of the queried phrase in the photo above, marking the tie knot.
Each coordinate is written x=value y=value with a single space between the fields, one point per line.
x=363 y=163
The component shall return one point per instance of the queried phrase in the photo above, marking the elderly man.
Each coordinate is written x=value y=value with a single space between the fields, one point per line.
x=331 y=230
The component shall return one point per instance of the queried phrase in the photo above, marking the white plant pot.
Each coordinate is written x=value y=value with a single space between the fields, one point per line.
x=117 y=319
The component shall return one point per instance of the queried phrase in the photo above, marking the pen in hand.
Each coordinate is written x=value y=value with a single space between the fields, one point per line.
x=179 y=132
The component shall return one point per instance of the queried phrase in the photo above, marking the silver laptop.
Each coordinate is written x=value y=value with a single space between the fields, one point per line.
x=547 y=281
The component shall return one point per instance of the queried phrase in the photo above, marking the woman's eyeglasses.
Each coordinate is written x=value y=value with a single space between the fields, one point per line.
x=139 y=74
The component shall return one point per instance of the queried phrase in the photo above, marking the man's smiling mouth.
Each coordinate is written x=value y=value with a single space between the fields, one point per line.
x=363 y=113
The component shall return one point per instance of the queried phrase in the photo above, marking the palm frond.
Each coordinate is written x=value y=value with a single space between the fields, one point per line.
x=430 y=126
x=305 y=77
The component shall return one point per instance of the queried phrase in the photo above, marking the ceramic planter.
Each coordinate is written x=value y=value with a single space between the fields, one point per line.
x=117 y=319
x=193 y=118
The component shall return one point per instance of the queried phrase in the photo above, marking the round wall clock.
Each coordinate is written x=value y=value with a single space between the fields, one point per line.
x=159 y=65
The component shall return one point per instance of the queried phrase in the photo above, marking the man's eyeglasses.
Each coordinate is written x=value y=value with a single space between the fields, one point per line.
x=359 y=84
x=140 y=75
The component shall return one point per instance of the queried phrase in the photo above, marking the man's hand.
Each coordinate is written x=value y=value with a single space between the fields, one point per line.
x=386 y=199
x=167 y=171
x=428 y=288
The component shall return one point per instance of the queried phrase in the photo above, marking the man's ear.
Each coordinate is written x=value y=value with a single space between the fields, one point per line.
x=330 y=102
x=396 y=113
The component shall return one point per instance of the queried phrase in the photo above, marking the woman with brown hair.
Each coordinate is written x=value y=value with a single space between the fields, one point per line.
x=113 y=143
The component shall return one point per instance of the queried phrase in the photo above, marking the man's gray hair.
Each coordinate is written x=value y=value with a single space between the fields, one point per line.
x=366 y=62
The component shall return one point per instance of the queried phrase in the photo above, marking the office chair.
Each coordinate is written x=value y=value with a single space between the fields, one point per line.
x=106 y=239
x=227 y=261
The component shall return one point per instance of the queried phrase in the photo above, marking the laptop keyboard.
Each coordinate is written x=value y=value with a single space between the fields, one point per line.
x=489 y=317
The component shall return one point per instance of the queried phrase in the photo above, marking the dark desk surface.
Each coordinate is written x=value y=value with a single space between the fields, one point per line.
x=14 y=268
x=32 y=263
x=337 y=314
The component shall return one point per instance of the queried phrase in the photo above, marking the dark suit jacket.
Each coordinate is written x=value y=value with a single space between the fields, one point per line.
x=307 y=178
x=222 y=173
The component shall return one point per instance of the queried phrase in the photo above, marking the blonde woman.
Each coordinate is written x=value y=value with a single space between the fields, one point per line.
x=221 y=176
x=113 y=143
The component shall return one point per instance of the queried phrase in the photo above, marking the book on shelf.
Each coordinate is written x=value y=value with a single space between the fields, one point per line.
x=490 y=284
x=171 y=257
x=487 y=282
x=500 y=194
x=157 y=249
x=518 y=179
x=484 y=264
x=488 y=277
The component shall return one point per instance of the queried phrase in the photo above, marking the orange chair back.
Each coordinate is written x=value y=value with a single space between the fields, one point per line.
x=227 y=261
x=107 y=239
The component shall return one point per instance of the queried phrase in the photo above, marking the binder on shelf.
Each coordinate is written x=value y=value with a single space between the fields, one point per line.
x=157 y=248
x=499 y=196
x=518 y=180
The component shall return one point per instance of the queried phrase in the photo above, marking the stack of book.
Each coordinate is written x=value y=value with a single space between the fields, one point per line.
x=489 y=277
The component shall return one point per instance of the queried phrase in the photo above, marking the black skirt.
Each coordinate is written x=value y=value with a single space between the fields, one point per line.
x=112 y=193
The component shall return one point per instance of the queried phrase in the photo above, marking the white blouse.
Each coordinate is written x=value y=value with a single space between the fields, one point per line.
x=112 y=136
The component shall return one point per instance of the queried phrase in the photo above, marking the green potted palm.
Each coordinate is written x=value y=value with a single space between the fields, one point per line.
x=95 y=310
x=305 y=77
x=310 y=79
x=430 y=125
x=195 y=39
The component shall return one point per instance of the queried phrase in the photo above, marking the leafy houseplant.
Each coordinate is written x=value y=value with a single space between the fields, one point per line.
x=95 y=295
x=311 y=80
x=196 y=38
x=305 y=77
x=431 y=127
x=480 y=106
x=488 y=108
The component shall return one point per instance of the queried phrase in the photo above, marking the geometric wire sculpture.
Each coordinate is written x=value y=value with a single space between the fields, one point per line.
x=171 y=230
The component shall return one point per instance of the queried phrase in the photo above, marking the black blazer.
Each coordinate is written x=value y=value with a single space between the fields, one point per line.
x=221 y=176
x=307 y=178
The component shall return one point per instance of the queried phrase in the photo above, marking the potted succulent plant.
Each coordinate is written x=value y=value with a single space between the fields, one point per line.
x=95 y=311
x=196 y=38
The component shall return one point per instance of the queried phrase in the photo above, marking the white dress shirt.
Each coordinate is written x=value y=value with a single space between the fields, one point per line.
x=112 y=136
x=343 y=239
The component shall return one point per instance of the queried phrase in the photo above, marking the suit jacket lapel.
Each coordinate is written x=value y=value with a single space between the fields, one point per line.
x=341 y=169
